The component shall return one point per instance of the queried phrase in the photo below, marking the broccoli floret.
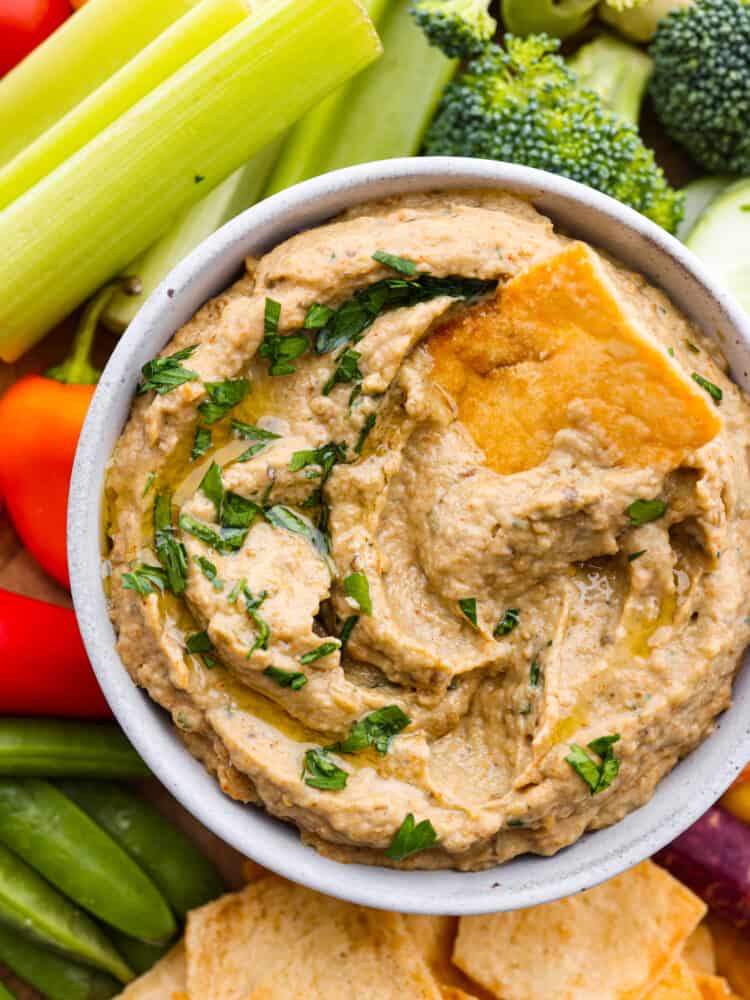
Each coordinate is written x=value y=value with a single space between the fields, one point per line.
x=701 y=82
x=522 y=104
x=461 y=28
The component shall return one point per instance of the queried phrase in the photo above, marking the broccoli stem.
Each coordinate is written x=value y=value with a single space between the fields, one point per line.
x=616 y=71
x=558 y=19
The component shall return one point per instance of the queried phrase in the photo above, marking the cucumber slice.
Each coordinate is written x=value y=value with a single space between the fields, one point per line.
x=721 y=238
x=698 y=196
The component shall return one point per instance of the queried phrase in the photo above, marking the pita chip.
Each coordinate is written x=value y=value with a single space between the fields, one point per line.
x=699 y=951
x=677 y=984
x=165 y=981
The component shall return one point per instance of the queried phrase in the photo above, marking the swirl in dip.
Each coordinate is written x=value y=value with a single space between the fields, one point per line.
x=431 y=533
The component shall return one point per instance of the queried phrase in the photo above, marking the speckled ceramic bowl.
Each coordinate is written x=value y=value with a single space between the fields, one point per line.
x=681 y=797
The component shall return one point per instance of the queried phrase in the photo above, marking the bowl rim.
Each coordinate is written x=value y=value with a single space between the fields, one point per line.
x=681 y=797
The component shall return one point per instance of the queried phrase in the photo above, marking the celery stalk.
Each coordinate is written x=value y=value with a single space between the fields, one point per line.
x=76 y=59
x=305 y=148
x=391 y=104
x=174 y=48
x=86 y=221
x=233 y=196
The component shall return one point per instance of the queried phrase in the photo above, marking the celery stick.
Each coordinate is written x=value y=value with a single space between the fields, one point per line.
x=237 y=193
x=390 y=105
x=306 y=146
x=174 y=48
x=86 y=221
x=76 y=59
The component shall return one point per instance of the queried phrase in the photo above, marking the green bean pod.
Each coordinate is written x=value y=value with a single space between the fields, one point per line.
x=5 y=993
x=72 y=852
x=140 y=955
x=56 y=977
x=30 y=905
x=48 y=748
x=185 y=876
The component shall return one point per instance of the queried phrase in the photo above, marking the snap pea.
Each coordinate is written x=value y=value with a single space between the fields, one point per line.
x=72 y=852
x=140 y=955
x=30 y=905
x=5 y=993
x=56 y=977
x=47 y=748
x=186 y=877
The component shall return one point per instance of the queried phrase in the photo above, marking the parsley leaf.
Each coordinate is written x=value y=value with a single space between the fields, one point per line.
x=253 y=433
x=171 y=553
x=202 y=645
x=238 y=512
x=535 y=674
x=357 y=587
x=210 y=572
x=637 y=555
x=367 y=426
x=324 y=649
x=410 y=839
x=326 y=457
x=201 y=442
x=150 y=480
x=223 y=396
x=346 y=370
x=598 y=776
x=280 y=350
x=282 y=517
x=317 y=316
x=212 y=487
x=224 y=540
x=251 y=606
x=644 y=511
x=507 y=623
x=164 y=374
x=400 y=264
x=286 y=678
x=374 y=730
x=692 y=347
x=322 y=773
x=713 y=390
x=347 y=629
x=145 y=580
x=468 y=606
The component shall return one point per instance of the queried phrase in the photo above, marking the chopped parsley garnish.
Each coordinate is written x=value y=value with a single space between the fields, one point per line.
x=357 y=587
x=374 y=730
x=150 y=480
x=347 y=324
x=210 y=572
x=713 y=390
x=637 y=555
x=324 y=649
x=212 y=487
x=346 y=630
x=171 y=553
x=598 y=776
x=201 y=442
x=507 y=623
x=367 y=426
x=514 y=824
x=286 y=678
x=410 y=839
x=234 y=593
x=252 y=451
x=253 y=433
x=317 y=316
x=224 y=540
x=202 y=645
x=326 y=457
x=468 y=606
x=145 y=580
x=282 y=517
x=251 y=606
x=281 y=351
x=223 y=396
x=692 y=347
x=346 y=370
x=322 y=773
x=400 y=264
x=643 y=511
x=238 y=512
x=535 y=674
x=164 y=374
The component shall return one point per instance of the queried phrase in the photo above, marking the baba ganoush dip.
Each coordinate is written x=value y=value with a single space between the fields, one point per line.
x=431 y=534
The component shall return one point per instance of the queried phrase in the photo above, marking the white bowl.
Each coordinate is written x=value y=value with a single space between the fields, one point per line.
x=680 y=798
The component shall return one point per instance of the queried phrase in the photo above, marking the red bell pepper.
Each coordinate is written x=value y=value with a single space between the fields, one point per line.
x=44 y=669
x=40 y=421
x=24 y=24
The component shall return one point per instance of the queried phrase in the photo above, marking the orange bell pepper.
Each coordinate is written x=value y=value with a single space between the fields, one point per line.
x=737 y=799
x=40 y=420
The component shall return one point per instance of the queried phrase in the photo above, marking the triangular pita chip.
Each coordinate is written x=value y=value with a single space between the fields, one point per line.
x=677 y=984
x=165 y=981
x=699 y=950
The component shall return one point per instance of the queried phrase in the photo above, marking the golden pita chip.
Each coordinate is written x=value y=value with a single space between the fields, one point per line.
x=454 y=993
x=165 y=981
x=610 y=943
x=677 y=984
x=699 y=950
x=278 y=941
x=732 y=954
x=435 y=937
x=714 y=988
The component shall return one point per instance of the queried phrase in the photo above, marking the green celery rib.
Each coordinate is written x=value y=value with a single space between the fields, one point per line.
x=390 y=105
x=233 y=196
x=76 y=59
x=157 y=62
x=305 y=147
x=85 y=222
